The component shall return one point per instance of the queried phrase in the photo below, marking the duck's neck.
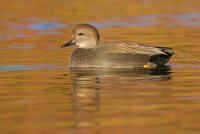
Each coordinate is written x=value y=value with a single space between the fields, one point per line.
x=89 y=44
x=83 y=50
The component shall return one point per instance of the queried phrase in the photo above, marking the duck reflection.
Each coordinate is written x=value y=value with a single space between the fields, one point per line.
x=87 y=84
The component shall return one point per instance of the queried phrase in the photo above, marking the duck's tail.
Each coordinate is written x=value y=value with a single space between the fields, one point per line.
x=162 y=59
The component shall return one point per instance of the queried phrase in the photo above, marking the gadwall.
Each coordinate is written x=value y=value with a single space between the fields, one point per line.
x=92 y=54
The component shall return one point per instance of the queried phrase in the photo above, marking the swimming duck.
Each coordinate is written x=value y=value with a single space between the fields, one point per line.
x=114 y=54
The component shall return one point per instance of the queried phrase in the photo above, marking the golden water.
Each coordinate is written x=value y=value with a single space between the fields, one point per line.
x=40 y=94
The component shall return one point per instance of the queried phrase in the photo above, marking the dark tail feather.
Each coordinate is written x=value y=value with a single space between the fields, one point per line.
x=162 y=59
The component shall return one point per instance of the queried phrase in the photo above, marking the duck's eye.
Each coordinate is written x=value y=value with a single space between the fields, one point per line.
x=80 y=33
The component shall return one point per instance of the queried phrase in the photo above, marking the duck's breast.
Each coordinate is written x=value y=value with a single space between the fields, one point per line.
x=83 y=58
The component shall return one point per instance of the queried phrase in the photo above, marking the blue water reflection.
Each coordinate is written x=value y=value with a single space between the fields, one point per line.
x=189 y=20
x=45 y=26
x=29 y=67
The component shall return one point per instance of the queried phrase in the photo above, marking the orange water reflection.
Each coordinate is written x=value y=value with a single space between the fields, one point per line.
x=41 y=94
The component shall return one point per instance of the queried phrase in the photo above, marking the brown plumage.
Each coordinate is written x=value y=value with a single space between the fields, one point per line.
x=119 y=54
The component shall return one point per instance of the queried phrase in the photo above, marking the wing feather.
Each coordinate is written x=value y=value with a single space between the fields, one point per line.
x=132 y=48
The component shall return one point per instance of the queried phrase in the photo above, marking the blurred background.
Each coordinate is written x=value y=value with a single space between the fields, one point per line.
x=40 y=94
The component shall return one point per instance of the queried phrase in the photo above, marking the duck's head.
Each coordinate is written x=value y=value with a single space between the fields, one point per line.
x=84 y=36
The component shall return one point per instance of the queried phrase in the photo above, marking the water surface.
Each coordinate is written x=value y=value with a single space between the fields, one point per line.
x=40 y=94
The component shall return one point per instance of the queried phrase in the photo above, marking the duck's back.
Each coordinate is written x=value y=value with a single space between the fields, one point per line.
x=119 y=55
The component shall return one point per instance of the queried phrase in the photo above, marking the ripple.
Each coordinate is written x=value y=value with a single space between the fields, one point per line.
x=45 y=26
x=29 y=67
x=4 y=37
x=22 y=47
x=188 y=19
x=48 y=33
x=137 y=21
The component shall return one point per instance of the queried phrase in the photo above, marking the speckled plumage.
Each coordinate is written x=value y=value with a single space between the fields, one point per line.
x=119 y=54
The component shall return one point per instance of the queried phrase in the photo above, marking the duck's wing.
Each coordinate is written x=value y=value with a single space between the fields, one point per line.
x=166 y=50
x=129 y=48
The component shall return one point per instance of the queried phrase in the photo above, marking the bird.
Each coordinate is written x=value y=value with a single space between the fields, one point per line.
x=90 y=53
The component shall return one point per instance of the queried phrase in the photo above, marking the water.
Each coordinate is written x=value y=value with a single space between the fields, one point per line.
x=40 y=94
x=189 y=20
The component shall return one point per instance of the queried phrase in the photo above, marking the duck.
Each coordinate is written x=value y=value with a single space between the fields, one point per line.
x=90 y=53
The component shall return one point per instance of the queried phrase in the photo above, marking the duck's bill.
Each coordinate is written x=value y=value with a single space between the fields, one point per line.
x=70 y=43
